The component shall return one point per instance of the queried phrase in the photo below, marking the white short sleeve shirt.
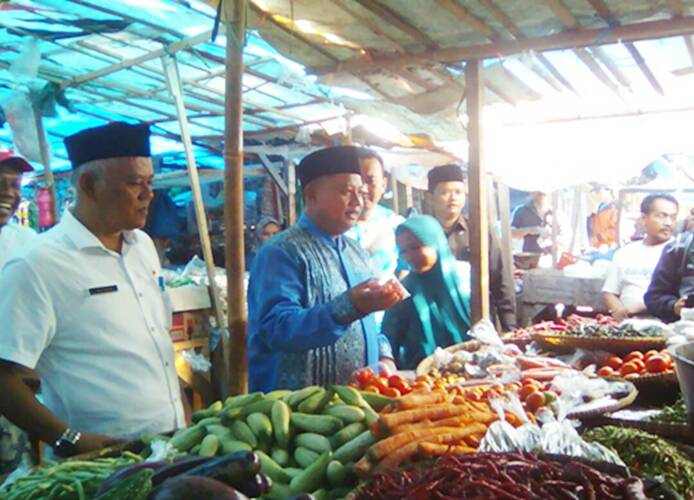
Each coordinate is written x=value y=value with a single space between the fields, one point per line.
x=95 y=326
x=13 y=238
x=630 y=273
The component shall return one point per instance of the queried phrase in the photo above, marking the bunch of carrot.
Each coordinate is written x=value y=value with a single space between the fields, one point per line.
x=425 y=425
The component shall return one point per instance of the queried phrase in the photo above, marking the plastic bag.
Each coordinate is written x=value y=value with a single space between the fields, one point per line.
x=485 y=332
x=161 y=450
x=197 y=362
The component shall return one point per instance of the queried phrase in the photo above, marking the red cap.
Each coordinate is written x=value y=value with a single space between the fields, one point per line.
x=10 y=159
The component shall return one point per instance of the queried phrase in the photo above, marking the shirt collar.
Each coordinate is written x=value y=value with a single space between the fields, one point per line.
x=82 y=237
x=459 y=225
x=306 y=223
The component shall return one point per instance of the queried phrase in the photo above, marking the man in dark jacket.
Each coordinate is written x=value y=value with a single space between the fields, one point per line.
x=447 y=198
x=673 y=279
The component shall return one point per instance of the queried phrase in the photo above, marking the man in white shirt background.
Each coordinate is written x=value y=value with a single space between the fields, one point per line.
x=12 y=236
x=13 y=442
x=633 y=265
x=85 y=305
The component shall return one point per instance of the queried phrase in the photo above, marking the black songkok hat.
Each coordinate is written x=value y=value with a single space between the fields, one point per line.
x=115 y=140
x=445 y=173
x=329 y=161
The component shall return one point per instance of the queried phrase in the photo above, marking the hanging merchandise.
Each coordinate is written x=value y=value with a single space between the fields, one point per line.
x=44 y=201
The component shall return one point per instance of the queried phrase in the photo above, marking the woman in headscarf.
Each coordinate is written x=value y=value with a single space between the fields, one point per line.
x=438 y=312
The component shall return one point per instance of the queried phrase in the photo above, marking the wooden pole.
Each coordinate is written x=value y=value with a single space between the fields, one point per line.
x=46 y=161
x=505 y=218
x=174 y=81
x=555 y=229
x=394 y=190
x=479 y=228
x=408 y=195
x=291 y=189
x=235 y=22
x=576 y=218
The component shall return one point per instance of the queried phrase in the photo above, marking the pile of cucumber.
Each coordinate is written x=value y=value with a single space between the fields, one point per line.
x=306 y=440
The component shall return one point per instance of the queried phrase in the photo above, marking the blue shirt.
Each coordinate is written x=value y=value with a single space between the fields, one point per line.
x=303 y=329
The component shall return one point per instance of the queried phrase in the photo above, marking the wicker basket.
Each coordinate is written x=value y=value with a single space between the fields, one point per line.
x=615 y=345
x=427 y=363
x=617 y=405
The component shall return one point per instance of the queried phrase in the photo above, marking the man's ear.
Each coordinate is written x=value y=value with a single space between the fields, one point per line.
x=87 y=184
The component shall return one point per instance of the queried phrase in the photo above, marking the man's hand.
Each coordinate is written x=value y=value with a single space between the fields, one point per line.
x=92 y=442
x=679 y=305
x=370 y=296
x=386 y=366
x=620 y=314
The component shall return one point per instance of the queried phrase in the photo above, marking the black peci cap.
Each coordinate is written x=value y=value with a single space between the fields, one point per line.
x=444 y=173
x=115 y=140
x=328 y=161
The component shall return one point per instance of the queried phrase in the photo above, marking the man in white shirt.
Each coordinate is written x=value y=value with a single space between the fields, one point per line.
x=12 y=236
x=375 y=231
x=86 y=307
x=633 y=265
x=13 y=442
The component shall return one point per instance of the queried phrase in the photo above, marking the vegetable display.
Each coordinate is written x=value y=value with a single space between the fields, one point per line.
x=305 y=440
x=393 y=386
x=72 y=479
x=500 y=476
x=648 y=454
x=673 y=414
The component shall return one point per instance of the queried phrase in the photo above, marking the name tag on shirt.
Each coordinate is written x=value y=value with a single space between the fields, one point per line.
x=103 y=289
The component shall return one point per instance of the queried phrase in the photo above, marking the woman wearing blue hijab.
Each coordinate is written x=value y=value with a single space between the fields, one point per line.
x=438 y=312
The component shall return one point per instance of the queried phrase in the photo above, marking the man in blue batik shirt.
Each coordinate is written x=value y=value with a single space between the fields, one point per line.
x=312 y=295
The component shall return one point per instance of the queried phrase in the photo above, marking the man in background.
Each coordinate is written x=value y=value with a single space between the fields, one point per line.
x=375 y=231
x=633 y=265
x=529 y=222
x=446 y=195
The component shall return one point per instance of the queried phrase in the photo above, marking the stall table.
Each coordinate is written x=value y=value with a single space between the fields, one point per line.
x=548 y=287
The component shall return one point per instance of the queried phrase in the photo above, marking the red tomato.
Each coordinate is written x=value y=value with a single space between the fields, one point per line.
x=640 y=365
x=365 y=376
x=535 y=400
x=650 y=353
x=614 y=362
x=526 y=391
x=606 y=371
x=656 y=364
x=381 y=383
x=371 y=388
x=628 y=368
x=633 y=355
x=395 y=379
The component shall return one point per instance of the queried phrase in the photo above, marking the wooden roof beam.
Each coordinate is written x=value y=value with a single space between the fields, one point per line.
x=563 y=13
x=508 y=23
x=604 y=11
x=464 y=15
x=678 y=10
x=393 y=18
x=646 y=30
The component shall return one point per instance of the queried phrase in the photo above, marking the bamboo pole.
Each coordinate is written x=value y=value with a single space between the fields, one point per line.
x=291 y=189
x=174 y=81
x=479 y=228
x=235 y=22
x=46 y=162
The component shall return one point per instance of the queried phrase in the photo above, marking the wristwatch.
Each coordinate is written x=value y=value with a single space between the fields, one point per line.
x=65 y=446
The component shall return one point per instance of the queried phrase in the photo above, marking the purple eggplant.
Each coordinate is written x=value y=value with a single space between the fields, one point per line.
x=197 y=487
x=178 y=467
x=121 y=474
x=255 y=486
x=233 y=469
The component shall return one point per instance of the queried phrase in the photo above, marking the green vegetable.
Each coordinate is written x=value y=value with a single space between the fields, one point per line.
x=185 y=439
x=135 y=487
x=313 y=442
x=280 y=456
x=279 y=491
x=242 y=400
x=349 y=395
x=321 y=494
x=375 y=400
x=346 y=434
x=280 y=416
x=211 y=411
x=312 y=477
x=339 y=493
x=674 y=414
x=648 y=454
x=321 y=424
x=244 y=433
x=278 y=394
x=347 y=413
x=305 y=457
x=355 y=449
x=233 y=445
x=209 y=421
x=221 y=431
x=336 y=474
x=272 y=469
x=316 y=402
x=293 y=471
x=209 y=446
x=260 y=425
x=298 y=396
